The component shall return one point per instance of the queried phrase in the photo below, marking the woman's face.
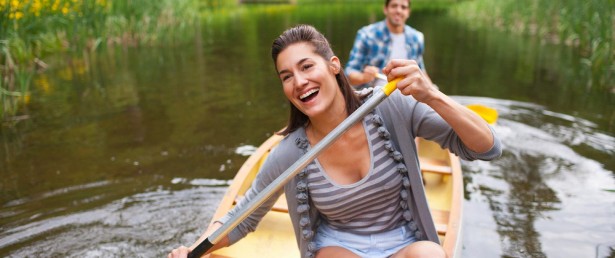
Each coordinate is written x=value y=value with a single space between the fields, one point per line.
x=308 y=79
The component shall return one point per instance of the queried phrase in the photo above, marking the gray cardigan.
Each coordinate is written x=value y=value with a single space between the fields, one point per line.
x=405 y=118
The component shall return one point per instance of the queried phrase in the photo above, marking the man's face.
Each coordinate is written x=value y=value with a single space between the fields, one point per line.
x=397 y=12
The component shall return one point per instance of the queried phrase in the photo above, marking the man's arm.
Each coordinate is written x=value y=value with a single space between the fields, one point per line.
x=356 y=70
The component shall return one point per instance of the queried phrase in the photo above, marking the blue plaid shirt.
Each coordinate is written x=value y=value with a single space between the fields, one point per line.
x=372 y=46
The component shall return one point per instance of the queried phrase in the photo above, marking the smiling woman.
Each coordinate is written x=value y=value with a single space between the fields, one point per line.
x=310 y=84
x=295 y=69
x=375 y=192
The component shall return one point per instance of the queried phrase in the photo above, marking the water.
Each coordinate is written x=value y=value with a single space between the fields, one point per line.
x=127 y=152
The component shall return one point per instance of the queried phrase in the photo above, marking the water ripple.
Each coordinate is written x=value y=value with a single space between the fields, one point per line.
x=147 y=224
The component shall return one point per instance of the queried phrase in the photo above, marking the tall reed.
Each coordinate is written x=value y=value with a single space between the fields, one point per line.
x=585 y=25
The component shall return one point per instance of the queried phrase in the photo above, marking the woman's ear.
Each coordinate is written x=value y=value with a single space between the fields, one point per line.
x=335 y=64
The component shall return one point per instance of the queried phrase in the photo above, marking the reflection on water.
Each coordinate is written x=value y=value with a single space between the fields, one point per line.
x=126 y=153
x=541 y=192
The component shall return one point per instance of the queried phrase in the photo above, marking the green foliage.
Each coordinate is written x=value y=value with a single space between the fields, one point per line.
x=217 y=4
x=587 y=26
x=417 y=5
x=32 y=29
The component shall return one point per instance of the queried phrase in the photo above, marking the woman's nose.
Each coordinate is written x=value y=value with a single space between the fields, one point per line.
x=300 y=80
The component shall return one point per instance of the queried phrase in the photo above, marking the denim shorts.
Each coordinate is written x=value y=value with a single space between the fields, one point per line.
x=374 y=245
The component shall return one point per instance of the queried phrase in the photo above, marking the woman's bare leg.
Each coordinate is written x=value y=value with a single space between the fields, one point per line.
x=335 y=251
x=421 y=249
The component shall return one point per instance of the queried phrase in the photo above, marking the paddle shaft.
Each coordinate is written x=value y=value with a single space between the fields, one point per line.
x=300 y=164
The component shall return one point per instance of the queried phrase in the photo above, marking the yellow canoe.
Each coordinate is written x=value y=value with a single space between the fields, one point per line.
x=274 y=235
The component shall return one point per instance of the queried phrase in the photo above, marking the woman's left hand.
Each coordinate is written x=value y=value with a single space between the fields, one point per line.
x=414 y=81
x=471 y=128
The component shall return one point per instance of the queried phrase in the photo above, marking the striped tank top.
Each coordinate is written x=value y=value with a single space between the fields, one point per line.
x=371 y=205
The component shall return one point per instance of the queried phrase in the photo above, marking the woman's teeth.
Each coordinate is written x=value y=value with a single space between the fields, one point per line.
x=307 y=94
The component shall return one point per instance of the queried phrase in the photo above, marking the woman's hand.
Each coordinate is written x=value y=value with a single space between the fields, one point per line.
x=180 y=252
x=473 y=130
x=414 y=81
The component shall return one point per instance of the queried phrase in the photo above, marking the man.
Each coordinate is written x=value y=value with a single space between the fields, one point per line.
x=380 y=42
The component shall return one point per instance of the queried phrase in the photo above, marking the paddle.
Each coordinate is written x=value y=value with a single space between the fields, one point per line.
x=285 y=177
x=489 y=114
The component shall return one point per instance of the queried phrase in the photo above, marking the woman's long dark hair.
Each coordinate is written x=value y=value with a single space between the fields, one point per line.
x=308 y=34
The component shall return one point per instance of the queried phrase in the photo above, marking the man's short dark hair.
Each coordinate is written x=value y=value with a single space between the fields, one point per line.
x=386 y=2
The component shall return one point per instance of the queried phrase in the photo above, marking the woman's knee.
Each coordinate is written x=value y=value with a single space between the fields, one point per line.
x=422 y=249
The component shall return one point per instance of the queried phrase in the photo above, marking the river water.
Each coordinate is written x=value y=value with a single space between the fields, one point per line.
x=126 y=152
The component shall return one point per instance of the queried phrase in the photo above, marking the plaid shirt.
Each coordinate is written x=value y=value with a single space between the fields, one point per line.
x=372 y=46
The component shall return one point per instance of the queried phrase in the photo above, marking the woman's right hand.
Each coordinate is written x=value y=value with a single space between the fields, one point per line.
x=180 y=252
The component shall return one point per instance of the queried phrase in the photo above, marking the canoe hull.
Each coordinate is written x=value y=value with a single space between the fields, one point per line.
x=274 y=236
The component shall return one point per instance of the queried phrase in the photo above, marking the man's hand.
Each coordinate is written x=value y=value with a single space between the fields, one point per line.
x=370 y=73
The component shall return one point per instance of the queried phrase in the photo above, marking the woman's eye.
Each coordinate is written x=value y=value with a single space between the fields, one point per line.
x=307 y=66
x=285 y=77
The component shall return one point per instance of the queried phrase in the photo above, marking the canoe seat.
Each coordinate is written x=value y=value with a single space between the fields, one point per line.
x=280 y=205
x=440 y=218
x=435 y=166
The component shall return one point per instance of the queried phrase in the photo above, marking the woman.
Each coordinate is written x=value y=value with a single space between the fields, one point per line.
x=367 y=184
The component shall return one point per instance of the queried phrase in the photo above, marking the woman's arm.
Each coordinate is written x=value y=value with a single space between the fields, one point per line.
x=279 y=159
x=473 y=131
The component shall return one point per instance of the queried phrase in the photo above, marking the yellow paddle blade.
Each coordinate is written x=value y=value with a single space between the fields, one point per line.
x=489 y=114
